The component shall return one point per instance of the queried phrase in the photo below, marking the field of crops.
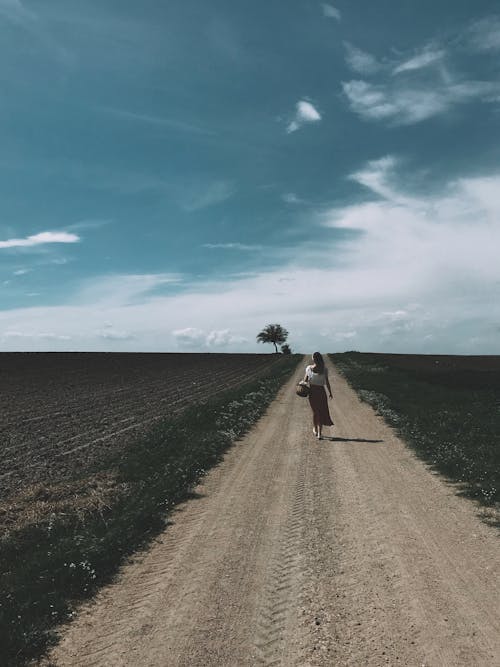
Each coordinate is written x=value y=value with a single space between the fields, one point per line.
x=63 y=413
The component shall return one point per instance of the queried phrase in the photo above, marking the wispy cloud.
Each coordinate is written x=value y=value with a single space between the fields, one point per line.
x=21 y=272
x=418 y=86
x=330 y=11
x=484 y=35
x=161 y=121
x=15 y=11
x=305 y=113
x=202 y=196
x=407 y=104
x=375 y=176
x=89 y=224
x=360 y=61
x=428 y=56
x=40 y=239
x=123 y=289
x=291 y=198
x=231 y=246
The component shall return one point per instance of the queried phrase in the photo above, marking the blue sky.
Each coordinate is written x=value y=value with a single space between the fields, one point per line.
x=174 y=176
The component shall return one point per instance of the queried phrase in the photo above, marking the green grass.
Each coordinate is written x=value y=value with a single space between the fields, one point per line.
x=451 y=418
x=46 y=568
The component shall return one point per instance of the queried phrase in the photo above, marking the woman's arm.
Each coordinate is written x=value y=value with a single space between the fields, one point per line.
x=327 y=382
x=306 y=376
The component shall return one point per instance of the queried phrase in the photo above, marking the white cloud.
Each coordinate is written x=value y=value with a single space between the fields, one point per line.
x=231 y=246
x=330 y=11
x=40 y=239
x=189 y=337
x=428 y=56
x=223 y=338
x=361 y=61
x=21 y=272
x=305 y=113
x=415 y=87
x=406 y=104
x=192 y=337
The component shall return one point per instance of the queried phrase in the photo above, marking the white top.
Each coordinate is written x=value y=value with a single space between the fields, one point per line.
x=316 y=378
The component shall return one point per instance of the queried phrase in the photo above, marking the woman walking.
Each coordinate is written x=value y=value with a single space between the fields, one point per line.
x=317 y=377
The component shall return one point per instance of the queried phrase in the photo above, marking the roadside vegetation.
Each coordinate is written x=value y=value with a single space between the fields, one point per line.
x=47 y=567
x=446 y=408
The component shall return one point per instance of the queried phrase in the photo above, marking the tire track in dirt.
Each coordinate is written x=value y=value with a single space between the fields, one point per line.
x=297 y=552
x=283 y=582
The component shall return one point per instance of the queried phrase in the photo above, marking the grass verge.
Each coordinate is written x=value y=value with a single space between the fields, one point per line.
x=451 y=419
x=45 y=569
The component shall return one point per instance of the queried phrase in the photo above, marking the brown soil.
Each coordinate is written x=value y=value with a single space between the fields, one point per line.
x=66 y=415
x=64 y=412
x=345 y=551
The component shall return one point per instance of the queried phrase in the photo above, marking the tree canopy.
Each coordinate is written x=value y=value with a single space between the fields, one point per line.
x=273 y=333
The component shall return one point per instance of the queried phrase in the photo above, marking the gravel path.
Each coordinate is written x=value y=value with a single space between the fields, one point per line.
x=345 y=551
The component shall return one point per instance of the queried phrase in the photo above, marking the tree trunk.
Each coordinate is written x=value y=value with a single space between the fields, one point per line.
x=275 y=346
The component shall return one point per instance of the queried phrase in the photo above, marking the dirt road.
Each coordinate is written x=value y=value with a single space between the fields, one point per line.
x=302 y=552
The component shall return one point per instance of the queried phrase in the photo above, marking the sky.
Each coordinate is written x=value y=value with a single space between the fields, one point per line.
x=176 y=175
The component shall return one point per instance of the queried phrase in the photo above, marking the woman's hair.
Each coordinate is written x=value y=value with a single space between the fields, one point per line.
x=319 y=364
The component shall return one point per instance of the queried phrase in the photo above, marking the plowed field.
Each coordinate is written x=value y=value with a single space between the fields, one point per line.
x=64 y=412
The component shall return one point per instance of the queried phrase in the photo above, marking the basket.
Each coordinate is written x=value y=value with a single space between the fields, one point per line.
x=302 y=389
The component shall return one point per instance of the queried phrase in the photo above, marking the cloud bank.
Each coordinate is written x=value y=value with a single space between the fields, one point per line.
x=417 y=273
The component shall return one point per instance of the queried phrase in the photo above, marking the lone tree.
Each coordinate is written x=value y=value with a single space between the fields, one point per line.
x=273 y=333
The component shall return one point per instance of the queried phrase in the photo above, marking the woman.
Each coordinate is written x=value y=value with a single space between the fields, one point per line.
x=317 y=377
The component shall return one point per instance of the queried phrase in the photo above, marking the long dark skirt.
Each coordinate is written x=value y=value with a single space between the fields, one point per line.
x=319 y=405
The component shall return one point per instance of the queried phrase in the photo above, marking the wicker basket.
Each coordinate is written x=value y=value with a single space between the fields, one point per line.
x=302 y=389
